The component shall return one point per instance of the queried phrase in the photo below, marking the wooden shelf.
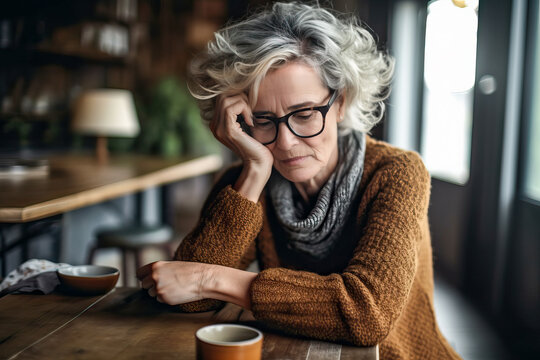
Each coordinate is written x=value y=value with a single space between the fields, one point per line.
x=85 y=54
x=46 y=54
x=49 y=116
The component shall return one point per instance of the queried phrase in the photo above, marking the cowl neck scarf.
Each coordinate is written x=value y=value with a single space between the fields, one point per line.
x=315 y=229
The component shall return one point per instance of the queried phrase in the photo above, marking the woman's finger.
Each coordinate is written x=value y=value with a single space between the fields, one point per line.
x=143 y=271
x=147 y=282
x=228 y=130
x=152 y=292
x=248 y=115
x=229 y=109
x=248 y=118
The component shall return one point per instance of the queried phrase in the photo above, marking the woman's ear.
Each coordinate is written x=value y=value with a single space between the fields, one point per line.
x=341 y=106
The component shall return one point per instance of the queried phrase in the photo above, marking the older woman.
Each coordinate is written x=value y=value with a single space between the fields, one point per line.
x=337 y=220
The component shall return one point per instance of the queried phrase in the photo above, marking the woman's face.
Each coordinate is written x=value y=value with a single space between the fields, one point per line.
x=301 y=160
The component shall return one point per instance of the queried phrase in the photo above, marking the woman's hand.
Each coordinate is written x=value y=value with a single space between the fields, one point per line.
x=257 y=159
x=178 y=282
x=229 y=132
x=174 y=282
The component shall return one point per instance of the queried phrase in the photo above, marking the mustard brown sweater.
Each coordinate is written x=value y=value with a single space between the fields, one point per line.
x=376 y=287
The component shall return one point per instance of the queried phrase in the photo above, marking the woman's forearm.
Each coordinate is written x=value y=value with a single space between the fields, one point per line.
x=228 y=284
x=251 y=181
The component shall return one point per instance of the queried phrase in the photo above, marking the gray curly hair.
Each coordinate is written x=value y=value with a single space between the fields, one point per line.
x=342 y=51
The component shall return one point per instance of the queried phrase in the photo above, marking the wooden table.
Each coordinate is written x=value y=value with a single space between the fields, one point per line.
x=76 y=180
x=127 y=324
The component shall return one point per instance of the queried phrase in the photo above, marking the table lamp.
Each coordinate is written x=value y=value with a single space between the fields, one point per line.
x=105 y=112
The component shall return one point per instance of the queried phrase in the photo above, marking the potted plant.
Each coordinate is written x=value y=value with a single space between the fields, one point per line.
x=171 y=124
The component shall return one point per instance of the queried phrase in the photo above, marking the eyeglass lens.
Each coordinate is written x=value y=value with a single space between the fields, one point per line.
x=305 y=123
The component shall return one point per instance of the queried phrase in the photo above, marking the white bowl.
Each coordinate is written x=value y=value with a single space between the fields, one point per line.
x=88 y=279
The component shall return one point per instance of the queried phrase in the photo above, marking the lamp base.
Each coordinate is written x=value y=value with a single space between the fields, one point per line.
x=102 y=153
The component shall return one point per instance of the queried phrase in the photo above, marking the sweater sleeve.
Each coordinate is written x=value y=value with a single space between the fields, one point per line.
x=225 y=235
x=361 y=304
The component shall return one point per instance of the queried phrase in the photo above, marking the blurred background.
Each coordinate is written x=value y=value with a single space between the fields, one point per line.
x=466 y=96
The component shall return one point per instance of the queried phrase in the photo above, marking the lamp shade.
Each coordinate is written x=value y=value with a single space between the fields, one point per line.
x=106 y=112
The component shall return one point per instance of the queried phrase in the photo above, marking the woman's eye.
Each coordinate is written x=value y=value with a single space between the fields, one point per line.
x=304 y=115
x=262 y=123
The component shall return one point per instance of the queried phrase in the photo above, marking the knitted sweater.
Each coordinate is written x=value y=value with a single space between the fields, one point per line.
x=375 y=288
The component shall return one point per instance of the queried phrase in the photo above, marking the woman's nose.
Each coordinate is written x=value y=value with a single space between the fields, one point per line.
x=285 y=138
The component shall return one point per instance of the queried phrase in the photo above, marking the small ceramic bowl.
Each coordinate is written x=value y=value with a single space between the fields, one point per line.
x=88 y=279
x=228 y=342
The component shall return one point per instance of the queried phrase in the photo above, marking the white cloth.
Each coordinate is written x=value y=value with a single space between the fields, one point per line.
x=28 y=269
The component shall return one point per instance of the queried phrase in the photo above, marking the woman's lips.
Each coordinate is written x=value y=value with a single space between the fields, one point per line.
x=294 y=160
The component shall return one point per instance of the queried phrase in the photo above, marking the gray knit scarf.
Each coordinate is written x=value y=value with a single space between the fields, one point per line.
x=315 y=231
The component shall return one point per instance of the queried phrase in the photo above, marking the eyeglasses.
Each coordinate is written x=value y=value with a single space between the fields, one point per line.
x=304 y=123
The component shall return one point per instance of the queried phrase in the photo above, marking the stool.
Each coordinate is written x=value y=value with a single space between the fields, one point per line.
x=132 y=239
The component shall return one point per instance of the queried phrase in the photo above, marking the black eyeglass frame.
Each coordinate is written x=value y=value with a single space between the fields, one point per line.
x=322 y=109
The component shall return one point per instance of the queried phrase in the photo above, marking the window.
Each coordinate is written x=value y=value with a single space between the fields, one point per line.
x=449 y=75
x=532 y=163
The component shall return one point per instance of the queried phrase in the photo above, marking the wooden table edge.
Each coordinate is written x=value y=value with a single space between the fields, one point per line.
x=191 y=168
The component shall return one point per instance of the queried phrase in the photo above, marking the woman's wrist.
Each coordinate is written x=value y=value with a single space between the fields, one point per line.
x=228 y=284
x=252 y=181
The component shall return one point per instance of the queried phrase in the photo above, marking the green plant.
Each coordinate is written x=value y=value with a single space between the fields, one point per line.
x=20 y=127
x=171 y=124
